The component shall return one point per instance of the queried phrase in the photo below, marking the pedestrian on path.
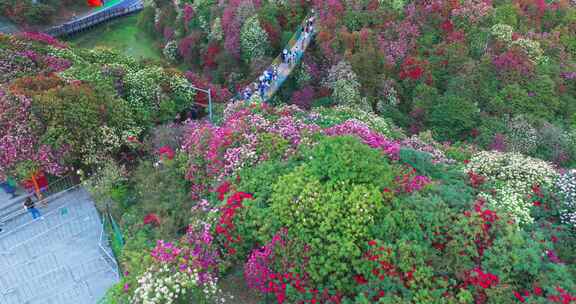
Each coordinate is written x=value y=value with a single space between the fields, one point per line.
x=29 y=205
x=9 y=186
x=285 y=56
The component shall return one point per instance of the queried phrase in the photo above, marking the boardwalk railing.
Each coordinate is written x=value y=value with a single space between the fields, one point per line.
x=121 y=9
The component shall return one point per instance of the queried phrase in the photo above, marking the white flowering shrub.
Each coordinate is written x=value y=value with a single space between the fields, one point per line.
x=531 y=48
x=162 y=285
x=327 y=117
x=521 y=136
x=344 y=84
x=566 y=185
x=253 y=39
x=170 y=50
x=513 y=175
x=502 y=32
x=216 y=32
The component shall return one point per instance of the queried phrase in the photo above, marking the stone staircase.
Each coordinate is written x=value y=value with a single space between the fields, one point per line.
x=63 y=258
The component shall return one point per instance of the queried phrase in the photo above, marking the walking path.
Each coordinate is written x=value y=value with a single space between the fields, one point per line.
x=63 y=258
x=298 y=44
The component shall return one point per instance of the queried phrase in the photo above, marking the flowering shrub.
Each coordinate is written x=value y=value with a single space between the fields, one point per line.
x=245 y=138
x=163 y=285
x=514 y=175
x=253 y=39
x=566 y=183
x=328 y=117
x=21 y=142
x=344 y=83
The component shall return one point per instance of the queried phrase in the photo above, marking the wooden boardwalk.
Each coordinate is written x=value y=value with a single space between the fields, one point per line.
x=122 y=8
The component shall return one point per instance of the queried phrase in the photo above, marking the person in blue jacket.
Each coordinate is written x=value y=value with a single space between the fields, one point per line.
x=9 y=186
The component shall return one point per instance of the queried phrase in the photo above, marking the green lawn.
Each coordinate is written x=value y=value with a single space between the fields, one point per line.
x=121 y=34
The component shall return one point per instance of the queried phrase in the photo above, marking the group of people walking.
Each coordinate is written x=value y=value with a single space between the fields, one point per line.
x=288 y=59
x=264 y=83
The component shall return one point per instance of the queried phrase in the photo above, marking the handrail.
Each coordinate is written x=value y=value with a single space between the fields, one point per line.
x=114 y=267
x=17 y=228
x=10 y=215
x=119 y=9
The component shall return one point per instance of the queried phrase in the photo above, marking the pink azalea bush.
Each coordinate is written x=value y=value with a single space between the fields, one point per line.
x=19 y=143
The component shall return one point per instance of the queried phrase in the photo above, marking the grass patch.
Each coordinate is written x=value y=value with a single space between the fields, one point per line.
x=121 y=34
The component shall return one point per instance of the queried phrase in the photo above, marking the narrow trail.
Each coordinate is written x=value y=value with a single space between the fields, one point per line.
x=297 y=44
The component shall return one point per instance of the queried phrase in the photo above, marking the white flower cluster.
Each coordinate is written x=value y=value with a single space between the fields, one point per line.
x=502 y=32
x=514 y=167
x=509 y=200
x=521 y=136
x=344 y=84
x=566 y=183
x=163 y=285
x=216 y=32
x=531 y=48
x=170 y=51
x=514 y=175
x=253 y=39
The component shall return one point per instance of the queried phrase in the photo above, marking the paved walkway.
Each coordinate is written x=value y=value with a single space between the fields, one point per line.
x=298 y=44
x=62 y=258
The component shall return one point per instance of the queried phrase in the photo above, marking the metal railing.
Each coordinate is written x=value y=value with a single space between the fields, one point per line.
x=108 y=258
x=15 y=209
x=124 y=8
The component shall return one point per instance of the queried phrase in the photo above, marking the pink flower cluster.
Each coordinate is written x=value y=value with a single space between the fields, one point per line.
x=42 y=37
x=257 y=269
x=165 y=252
x=369 y=137
x=217 y=152
x=19 y=143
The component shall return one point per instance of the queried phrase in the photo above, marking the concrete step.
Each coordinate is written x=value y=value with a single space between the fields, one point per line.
x=69 y=205
x=51 y=240
x=18 y=274
x=79 y=293
x=40 y=286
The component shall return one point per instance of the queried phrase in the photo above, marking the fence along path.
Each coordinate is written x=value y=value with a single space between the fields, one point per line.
x=122 y=8
x=298 y=43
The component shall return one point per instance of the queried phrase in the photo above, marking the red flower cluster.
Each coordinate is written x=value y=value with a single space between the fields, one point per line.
x=226 y=225
x=412 y=68
x=383 y=268
x=477 y=277
x=476 y=180
x=563 y=297
x=152 y=219
x=166 y=151
x=222 y=190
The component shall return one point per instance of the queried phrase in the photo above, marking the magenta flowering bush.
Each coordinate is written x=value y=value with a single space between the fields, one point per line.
x=369 y=137
x=42 y=38
x=21 y=152
x=251 y=135
x=165 y=252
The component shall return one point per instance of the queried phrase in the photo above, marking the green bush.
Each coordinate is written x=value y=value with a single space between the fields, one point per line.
x=453 y=117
